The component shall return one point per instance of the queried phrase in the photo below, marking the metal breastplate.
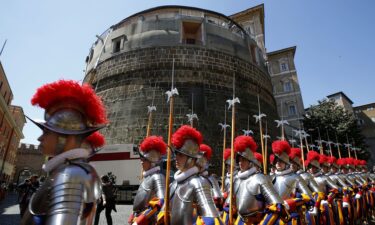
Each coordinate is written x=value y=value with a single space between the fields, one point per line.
x=216 y=192
x=254 y=194
x=67 y=195
x=325 y=183
x=347 y=180
x=227 y=181
x=194 y=191
x=285 y=185
x=337 y=180
x=310 y=181
x=321 y=181
x=151 y=186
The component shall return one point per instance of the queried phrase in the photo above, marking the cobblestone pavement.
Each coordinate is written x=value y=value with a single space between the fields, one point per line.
x=10 y=213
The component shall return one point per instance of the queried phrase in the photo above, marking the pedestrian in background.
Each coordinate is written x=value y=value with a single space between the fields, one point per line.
x=106 y=201
x=25 y=191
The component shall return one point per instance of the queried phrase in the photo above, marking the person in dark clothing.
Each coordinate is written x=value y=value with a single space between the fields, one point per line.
x=25 y=190
x=106 y=201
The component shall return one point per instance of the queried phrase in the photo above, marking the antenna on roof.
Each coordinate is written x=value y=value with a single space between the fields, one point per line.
x=3 y=46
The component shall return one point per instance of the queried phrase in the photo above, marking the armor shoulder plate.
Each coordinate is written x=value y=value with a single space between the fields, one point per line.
x=159 y=185
x=267 y=189
x=68 y=192
x=185 y=189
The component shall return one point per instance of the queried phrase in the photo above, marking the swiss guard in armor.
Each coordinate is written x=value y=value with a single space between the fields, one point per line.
x=330 y=169
x=255 y=198
x=296 y=164
x=203 y=164
x=150 y=195
x=291 y=187
x=189 y=191
x=328 y=187
x=69 y=194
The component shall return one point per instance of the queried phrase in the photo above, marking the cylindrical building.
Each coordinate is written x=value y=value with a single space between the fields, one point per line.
x=130 y=66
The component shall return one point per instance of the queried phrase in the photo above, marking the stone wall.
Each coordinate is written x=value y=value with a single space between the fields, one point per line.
x=128 y=81
x=29 y=158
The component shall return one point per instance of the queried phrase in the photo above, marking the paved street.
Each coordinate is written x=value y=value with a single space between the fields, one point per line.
x=9 y=212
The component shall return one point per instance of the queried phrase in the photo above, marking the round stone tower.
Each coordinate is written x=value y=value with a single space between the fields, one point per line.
x=130 y=66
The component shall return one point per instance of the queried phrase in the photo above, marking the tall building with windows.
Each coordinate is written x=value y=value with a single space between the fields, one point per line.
x=12 y=121
x=286 y=89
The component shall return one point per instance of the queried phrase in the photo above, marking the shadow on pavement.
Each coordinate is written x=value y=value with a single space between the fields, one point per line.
x=9 y=210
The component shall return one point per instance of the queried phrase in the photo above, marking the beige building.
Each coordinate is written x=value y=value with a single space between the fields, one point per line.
x=286 y=89
x=366 y=120
x=342 y=100
x=365 y=115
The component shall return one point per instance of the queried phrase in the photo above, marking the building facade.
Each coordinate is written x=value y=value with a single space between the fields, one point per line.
x=29 y=162
x=12 y=121
x=286 y=87
x=342 y=100
x=130 y=66
x=365 y=115
x=366 y=121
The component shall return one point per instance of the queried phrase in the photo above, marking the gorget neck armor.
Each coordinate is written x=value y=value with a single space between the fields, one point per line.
x=181 y=176
x=244 y=175
x=151 y=171
x=69 y=194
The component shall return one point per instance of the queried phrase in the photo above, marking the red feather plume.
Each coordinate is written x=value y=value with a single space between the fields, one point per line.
x=186 y=132
x=272 y=158
x=341 y=162
x=363 y=162
x=278 y=147
x=207 y=151
x=154 y=143
x=242 y=142
x=227 y=152
x=68 y=90
x=307 y=162
x=95 y=140
x=349 y=161
x=313 y=155
x=323 y=159
x=259 y=157
x=295 y=152
x=332 y=160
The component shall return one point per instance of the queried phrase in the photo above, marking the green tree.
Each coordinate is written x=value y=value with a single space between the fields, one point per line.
x=331 y=120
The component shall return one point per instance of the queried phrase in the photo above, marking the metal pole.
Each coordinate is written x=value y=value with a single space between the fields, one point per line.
x=224 y=147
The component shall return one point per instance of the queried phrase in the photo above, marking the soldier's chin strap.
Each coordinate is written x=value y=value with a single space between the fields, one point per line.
x=61 y=142
x=188 y=162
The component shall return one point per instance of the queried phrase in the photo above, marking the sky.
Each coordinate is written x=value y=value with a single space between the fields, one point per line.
x=49 y=40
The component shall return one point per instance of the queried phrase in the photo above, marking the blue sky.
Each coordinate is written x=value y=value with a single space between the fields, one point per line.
x=49 y=40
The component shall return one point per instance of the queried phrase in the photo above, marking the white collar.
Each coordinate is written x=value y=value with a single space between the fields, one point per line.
x=300 y=171
x=317 y=174
x=205 y=173
x=247 y=173
x=151 y=171
x=61 y=158
x=180 y=176
x=287 y=171
x=234 y=173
